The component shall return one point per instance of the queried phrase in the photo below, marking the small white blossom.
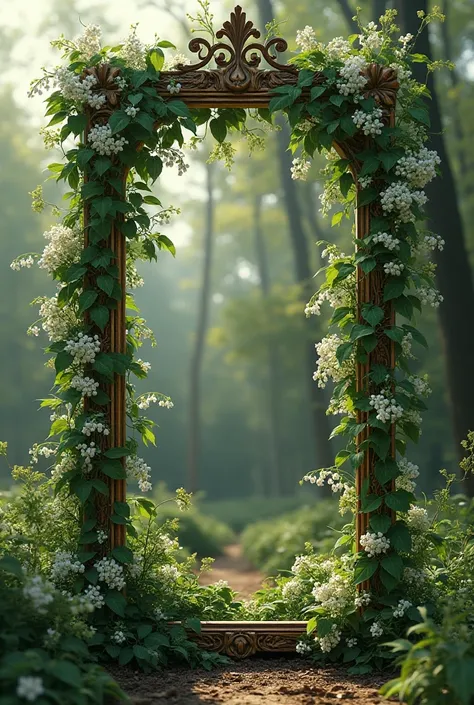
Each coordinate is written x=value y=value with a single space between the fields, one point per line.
x=370 y=123
x=65 y=564
x=303 y=648
x=351 y=80
x=90 y=41
x=394 y=269
x=29 y=688
x=401 y=608
x=387 y=240
x=83 y=348
x=137 y=469
x=374 y=544
x=351 y=643
x=330 y=641
x=118 y=637
x=111 y=573
x=86 y=385
x=300 y=169
x=400 y=198
x=418 y=519
x=40 y=592
x=418 y=168
x=376 y=629
x=306 y=39
x=430 y=296
x=386 y=407
x=94 y=597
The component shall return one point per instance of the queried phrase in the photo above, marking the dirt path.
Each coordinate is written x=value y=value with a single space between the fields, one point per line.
x=236 y=570
x=253 y=682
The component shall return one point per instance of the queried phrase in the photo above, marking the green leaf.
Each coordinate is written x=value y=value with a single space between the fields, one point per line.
x=388 y=581
x=218 y=128
x=156 y=58
x=100 y=316
x=394 y=288
x=371 y=503
x=364 y=569
x=119 y=120
x=11 y=565
x=126 y=655
x=317 y=91
x=366 y=196
x=180 y=109
x=393 y=564
x=194 y=624
x=378 y=373
x=380 y=523
x=67 y=672
x=420 y=115
x=82 y=489
x=116 y=602
x=336 y=219
x=370 y=166
x=102 y=164
x=388 y=159
x=63 y=361
x=84 y=156
x=386 y=470
x=140 y=652
x=459 y=675
x=117 y=452
x=104 y=365
x=115 y=471
x=122 y=508
x=399 y=500
x=400 y=537
x=154 y=167
x=122 y=554
x=106 y=283
x=87 y=299
x=359 y=330
x=103 y=207
x=344 y=352
x=345 y=183
x=348 y=125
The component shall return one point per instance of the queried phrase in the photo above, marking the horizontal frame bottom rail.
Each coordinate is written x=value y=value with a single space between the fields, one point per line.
x=240 y=640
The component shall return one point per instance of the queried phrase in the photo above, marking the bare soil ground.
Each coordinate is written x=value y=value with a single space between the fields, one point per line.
x=276 y=681
x=236 y=570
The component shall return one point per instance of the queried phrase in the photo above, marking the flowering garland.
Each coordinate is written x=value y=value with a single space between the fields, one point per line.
x=386 y=168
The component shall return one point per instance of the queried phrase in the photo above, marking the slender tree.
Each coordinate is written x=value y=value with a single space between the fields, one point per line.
x=273 y=395
x=200 y=340
x=302 y=261
x=454 y=273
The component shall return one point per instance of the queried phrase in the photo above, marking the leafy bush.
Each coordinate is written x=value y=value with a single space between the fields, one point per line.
x=43 y=650
x=273 y=544
x=240 y=513
x=439 y=668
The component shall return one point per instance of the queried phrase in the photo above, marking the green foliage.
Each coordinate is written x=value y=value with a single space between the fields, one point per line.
x=271 y=545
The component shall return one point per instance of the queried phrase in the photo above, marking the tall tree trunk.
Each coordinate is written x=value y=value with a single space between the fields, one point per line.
x=302 y=263
x=348 y=13
x=455 y=84
x=194 y=433
x=378 y=9
x=454 y=273
x=273 y=406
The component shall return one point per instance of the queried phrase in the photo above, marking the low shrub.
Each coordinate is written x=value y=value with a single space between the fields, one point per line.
x=272 y=545
x=240 y=513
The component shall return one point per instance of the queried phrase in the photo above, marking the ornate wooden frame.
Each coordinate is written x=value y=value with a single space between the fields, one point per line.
x=239 y=81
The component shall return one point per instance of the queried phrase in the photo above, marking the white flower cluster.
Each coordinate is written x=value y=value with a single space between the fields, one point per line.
x=333 y=479
x=94 y=426
x=102 y=536
x=303 y=648
x=174 y=62
x=351 y=79
x=328 y=364
x=40 y=592
x=85 y=385
x=64 y=247
x=418 y=519
x=144 y=366
x=337 y=48
x=330 y=641
x=300 y=169
x=351 y=643
x=93 y=596
x=386 y=407
x=89 y=42
x=387 y=240
x=434 y=242
x=104 y=143
x=137 y=469
x=394 y=269
x=56 y=321
x=374 y=544
x=168 y=575
x=118 y=637
x=400 y=198
x=174 y=88
x=174 y=157
x=406 y=344
x=333 y=596
x=370 y=123
x=88 y=452
x=78 y=89
x=160 y=615
x=422 y=387
x=83 y=348
x=43 y=451
x=418 y=168
x=111 y=573
x=29 y=688
x=430 y=296
x=136 y=567
x=401 y=608
x=133 y=51
x=132 y=111
x=363 y=599
x=413 y=576
x=306 y=39
x=376 y=629
x=372 y=38
x=22 y=262
x=133 y=278
x=410 y=472
x=65 y=564
x=293 y=589
x=66 y=464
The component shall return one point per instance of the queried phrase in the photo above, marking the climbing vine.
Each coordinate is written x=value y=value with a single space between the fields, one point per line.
x=109 y=121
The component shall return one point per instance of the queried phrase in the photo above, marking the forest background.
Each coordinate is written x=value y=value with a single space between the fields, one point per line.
x=235 y=351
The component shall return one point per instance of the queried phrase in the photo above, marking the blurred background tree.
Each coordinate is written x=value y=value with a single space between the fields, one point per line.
x=235 y=351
